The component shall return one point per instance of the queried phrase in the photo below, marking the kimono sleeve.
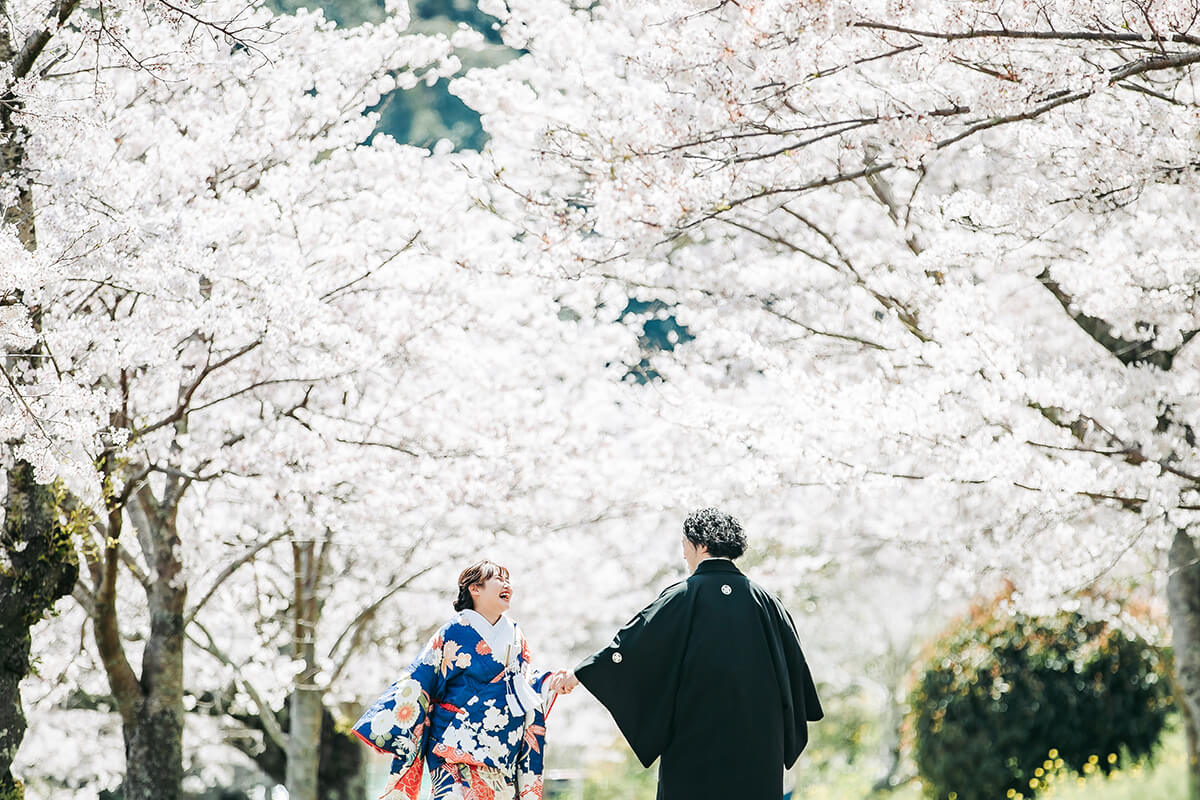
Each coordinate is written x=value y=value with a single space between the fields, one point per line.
x=397 y=723
x=637 y=676
x=801 y=704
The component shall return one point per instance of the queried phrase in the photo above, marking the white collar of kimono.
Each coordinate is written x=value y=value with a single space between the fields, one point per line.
x=498 y=636
x=521 y=697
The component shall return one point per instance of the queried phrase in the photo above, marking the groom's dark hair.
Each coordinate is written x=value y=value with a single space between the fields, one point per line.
x=721 y=533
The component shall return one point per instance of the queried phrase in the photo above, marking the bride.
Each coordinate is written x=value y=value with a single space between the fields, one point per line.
x=470 y=705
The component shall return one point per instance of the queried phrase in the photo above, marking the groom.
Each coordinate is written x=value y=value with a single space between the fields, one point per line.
x=709 y=677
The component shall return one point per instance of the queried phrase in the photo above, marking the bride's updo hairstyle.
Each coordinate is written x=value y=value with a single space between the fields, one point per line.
x=477 y=574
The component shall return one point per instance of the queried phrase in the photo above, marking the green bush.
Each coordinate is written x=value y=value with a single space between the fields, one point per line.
x=1005 y=694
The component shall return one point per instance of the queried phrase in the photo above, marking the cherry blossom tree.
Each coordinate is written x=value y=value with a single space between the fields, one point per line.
x=299 y=378
x=37 y=560
x=198 y=181
x=967 y=226
x=294 y=350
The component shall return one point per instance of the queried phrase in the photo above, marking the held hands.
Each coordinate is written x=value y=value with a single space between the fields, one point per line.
x=563 y=682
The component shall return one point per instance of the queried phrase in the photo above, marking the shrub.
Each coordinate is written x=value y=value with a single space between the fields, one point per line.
x=1004 y=693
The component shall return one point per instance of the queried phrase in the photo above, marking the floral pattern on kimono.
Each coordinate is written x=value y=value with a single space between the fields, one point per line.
x=460 y=782
x=457 y=706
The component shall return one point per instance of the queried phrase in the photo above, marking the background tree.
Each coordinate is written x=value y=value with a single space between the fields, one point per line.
x=385 y=394
x=309 y=358
x=151 y=299
x=934 y=216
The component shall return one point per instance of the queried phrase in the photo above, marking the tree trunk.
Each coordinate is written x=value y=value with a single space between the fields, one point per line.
x=304 y=743
x=154 y=753
x=37 y=567
x=151 y=705
x=342 y=771
x=304 y=705
x=12 y=149
x=1183 y=598
x=37 y=560
x=154 y=744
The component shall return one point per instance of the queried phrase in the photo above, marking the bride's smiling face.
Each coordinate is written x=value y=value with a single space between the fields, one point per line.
x=492 y=597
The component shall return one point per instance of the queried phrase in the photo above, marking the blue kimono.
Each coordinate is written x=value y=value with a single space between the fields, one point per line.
x=469 y=703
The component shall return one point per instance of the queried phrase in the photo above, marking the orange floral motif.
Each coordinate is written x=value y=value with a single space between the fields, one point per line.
x=483 y=649
x=449 y=656
x=406 y=714
x=452 y=755
x=533 y=791
x=531 y=736
x=525 y=650
x=410 y=780
x=479 y=790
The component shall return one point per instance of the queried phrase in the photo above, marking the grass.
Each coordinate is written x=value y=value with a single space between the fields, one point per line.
x=1162 y=778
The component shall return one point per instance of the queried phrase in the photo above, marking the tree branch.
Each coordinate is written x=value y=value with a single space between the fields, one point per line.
x=1005 y=33
x=1128 y=352
x=1131 y=453
x=183 y=407
x=231 y=568
x=269 y=720
x=36 y=42
x=1052 y=101
x=845 y=337
x=121 y=678
x=358 y=624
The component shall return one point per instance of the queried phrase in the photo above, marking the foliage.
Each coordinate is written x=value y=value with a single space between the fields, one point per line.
x=38 y=565
x=620 y=779
x=1006 y=697
x=1164 y=777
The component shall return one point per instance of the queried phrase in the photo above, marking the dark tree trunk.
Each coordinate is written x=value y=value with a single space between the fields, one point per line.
x=154 y=742
x=154 y=754
x=1183 y=598
x=150 y=704
x=37 y=567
